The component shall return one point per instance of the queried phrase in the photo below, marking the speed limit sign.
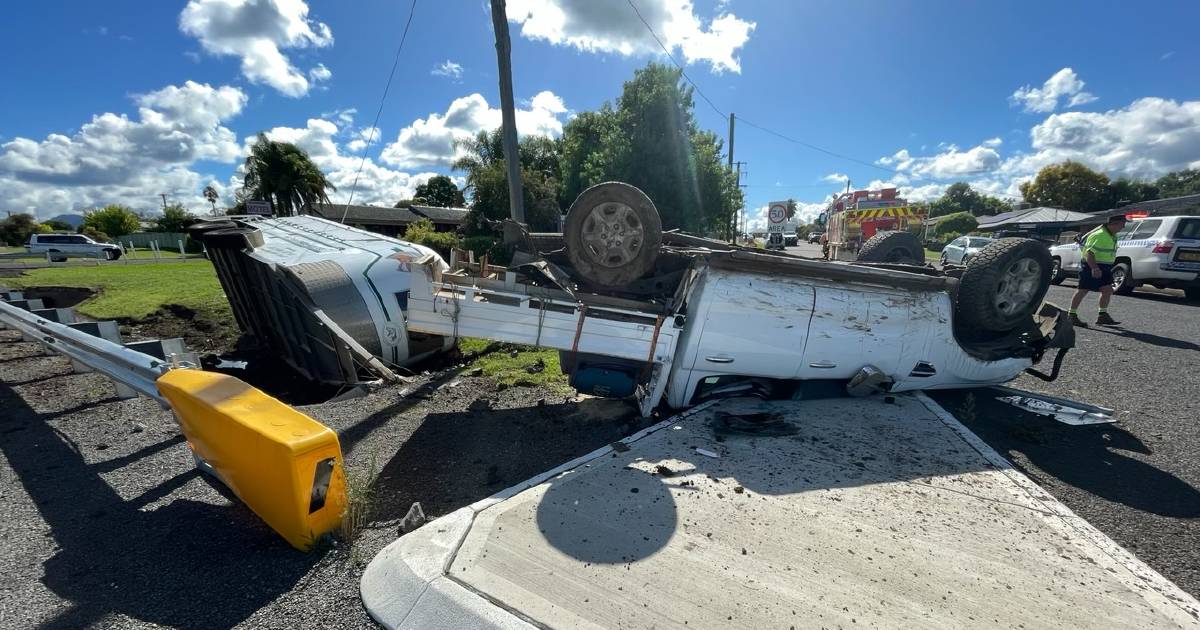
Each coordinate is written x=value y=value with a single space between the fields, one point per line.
x=776 y=215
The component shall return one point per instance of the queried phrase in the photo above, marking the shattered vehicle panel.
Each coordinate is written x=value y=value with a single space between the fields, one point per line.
x=294 y=282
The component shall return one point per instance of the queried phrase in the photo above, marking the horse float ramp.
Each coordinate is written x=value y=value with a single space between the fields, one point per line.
x=748 y=514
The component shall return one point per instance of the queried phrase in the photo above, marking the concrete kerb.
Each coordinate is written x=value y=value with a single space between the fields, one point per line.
x=399 y=579
x=408 y=584
x=1143 y=576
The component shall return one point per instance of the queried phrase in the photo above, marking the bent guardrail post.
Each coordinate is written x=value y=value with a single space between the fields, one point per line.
x=285 y=466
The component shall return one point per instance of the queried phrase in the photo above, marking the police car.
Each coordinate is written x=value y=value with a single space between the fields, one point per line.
x=1163 y=252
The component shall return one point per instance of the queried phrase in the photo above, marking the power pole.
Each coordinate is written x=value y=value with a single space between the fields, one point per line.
x=737 y=215
x=164 y=196
x=516 y=203
x=733 y=228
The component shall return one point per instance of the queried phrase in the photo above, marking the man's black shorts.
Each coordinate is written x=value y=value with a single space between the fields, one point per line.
x=1086 y=281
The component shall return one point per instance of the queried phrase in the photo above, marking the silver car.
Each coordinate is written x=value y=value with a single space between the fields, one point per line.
x=961 y=249
x=61 y=246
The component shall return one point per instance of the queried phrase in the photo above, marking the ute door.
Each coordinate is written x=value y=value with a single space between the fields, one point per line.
x=753 y=326
x=853 y=328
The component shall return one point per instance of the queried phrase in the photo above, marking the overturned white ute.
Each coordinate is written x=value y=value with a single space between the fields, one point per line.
x=637 y=312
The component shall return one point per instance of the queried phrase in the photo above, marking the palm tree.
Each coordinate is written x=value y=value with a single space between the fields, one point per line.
x=282 y=173
x=211 y=195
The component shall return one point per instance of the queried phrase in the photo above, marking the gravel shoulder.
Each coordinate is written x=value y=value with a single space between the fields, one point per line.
x=108 y=524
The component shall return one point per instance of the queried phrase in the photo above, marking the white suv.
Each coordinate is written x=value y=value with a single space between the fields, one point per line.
x=1163 y=252
x=60 y=246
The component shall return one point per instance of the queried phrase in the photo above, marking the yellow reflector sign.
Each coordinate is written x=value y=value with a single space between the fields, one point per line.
x=282 y=464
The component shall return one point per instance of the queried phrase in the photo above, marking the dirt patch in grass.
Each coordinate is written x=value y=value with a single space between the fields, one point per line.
x=59 y=297
x=206 y=333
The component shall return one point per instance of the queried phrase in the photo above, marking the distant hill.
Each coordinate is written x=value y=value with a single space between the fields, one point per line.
x=75 y=220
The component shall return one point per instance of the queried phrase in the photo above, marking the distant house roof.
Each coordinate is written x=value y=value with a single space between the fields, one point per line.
x=373 y=215
x=453 y=216
x=1033 y=215
x=377 y=215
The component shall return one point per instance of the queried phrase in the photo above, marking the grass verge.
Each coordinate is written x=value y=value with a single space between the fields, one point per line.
x=135 y=291
x=516 y=366
x=932 y=256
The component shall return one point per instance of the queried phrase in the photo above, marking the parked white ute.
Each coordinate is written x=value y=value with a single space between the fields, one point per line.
x=62 y=246
x=1163 y=252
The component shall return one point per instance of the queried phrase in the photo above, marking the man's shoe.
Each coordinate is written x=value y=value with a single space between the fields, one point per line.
x=1104 y=319
x=1076 y=322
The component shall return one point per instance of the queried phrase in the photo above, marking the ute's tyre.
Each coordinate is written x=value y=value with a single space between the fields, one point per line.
x=893 y=247
x=612 y=234
x=1056 y=272
x=1003 y=285
x=1122 y=276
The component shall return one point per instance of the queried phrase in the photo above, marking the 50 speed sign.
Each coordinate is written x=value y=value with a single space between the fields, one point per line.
x=776 y=215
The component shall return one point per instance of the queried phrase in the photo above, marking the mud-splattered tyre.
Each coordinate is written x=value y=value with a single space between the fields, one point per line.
x=1003 y=285
x=893 y=247
x=613 y=233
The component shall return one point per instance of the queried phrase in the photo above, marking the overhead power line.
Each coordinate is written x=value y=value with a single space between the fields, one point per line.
x=814 y=147
x=382 y=99
x=667 y=51
x=718 y=110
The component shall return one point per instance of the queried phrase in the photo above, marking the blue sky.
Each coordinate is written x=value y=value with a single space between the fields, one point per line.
x=121 y=101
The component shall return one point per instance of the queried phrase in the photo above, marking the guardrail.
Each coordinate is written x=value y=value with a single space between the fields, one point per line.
x=135 y=370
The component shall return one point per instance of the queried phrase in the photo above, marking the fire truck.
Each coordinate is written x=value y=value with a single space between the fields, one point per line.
x=854 y=217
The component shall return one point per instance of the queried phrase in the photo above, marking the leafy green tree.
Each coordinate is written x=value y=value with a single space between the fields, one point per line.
x=1122 y=191
x=175 y=218
x=58 y=226
x=1179 y=183
x=587 y=147
x=282 y=173
x=94 y=234
x=960 y=222
x=487 y=180
x=960 y=197
x=650 y=139
x=440 y=191
x=1069 y=185
x=16 y=228
x=210 y=193
x=113 y=220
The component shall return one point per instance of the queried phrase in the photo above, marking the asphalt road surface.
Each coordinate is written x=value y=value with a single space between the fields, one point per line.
x=1137 y=480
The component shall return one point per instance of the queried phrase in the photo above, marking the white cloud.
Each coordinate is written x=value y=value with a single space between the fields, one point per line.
x=116 y=159
x=1063 y=85
x=611 y=26
x=447 y=69
x=256 y=31
x=377 y=185
x=1167 y=55
x=836 y=178
x=951 y=162
x=430 y=141
x=1150 y=137
x=1144 y=140
x=319 y=73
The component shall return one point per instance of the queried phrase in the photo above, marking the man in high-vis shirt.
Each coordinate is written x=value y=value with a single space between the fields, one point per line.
x=1099 y=252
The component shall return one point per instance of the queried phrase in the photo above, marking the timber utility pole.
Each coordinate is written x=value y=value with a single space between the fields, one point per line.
x=733 y=228
x=516 y=202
